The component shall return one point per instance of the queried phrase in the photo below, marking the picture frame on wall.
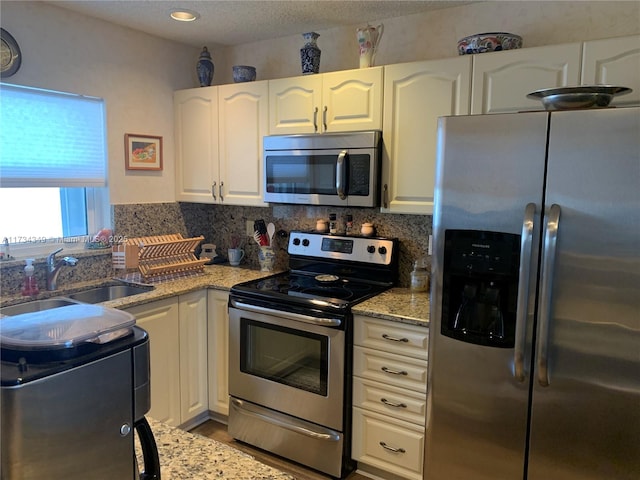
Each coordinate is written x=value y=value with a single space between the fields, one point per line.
x=142 y=152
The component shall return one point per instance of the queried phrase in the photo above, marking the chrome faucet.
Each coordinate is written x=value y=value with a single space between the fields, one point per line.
x=53 y=267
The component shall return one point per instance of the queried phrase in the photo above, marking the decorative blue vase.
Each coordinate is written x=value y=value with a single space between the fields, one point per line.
x=310 y=54
x=204 y=68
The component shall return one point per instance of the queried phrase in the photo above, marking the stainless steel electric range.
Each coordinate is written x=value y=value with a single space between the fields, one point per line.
x=290 y=347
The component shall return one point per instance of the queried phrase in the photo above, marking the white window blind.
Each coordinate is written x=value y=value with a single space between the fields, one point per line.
x=51 y=139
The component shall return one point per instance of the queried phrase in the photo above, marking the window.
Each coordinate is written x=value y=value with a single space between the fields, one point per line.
x=52 y=169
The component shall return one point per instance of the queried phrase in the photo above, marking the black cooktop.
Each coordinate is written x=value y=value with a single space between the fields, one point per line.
x=327 y=273
x=310 y=288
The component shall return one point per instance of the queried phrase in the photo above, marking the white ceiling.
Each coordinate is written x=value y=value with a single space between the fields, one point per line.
x=236 y=22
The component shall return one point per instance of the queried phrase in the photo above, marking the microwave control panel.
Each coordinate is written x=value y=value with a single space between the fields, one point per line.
x=372 y=250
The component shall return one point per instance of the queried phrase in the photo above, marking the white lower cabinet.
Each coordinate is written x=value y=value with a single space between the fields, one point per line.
x=177 y=329
x=388 y=444
x=389 y=397
x=193 y=355
x=218 y=340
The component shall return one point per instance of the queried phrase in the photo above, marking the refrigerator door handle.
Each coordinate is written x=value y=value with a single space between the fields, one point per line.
x=549 y=252
x=526 y=241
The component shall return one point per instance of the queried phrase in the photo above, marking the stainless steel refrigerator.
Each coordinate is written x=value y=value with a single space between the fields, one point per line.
x=534 y=366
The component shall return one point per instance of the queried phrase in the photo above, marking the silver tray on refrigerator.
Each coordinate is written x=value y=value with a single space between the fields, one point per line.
x=583 y=96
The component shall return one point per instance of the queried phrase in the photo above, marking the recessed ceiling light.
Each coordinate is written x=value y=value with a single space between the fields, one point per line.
x=184 y=15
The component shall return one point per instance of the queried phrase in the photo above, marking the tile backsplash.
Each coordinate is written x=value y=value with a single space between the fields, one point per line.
x=224 y=224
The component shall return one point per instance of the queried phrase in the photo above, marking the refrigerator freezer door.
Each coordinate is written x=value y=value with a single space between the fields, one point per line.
x=586 y=422
x=490 y=177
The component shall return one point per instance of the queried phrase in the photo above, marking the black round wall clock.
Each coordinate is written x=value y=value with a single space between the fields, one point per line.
x=10 y=57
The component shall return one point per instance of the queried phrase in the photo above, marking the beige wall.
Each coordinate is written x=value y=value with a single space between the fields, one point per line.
x=435 y=35
x=136 y=73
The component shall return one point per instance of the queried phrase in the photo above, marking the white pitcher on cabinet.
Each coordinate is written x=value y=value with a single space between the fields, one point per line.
x=368 y=40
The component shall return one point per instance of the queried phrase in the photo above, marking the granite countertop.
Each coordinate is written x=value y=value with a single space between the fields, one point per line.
x=186 y=456
x=396 y=304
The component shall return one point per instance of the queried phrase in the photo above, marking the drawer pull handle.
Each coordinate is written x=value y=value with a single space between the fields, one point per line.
x=394 y=339
x=394 y=372
x=392 y=449
x=392 y=404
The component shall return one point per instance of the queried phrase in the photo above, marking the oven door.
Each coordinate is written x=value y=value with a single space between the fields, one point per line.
x=287 y=362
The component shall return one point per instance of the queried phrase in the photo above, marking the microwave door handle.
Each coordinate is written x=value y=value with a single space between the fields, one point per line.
x=341 y=169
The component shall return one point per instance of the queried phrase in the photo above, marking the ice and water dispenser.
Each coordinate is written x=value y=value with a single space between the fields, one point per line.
x=480 y=287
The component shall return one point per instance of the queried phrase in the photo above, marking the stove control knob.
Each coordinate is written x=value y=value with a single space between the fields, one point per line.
x=382 y=250
x=371 y=249
x=305 y=242
x=296 y=241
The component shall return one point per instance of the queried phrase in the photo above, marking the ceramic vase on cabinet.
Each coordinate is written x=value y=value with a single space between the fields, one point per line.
x=204 y=68
x=310 y=54
x=368 y=40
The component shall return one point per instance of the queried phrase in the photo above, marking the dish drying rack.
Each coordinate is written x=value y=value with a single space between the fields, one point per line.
x=158 y=255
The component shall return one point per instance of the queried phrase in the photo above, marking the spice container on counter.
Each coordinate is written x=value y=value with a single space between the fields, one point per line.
x=348 y=225
x=367 y=229
x=321 y=226
x=419 y=276
x=333 y=224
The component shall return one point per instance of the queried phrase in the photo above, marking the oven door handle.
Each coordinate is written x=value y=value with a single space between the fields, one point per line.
x=325 y=322
x=243 y=409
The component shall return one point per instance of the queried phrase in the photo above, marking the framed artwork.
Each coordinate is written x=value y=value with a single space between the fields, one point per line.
x=142 y=152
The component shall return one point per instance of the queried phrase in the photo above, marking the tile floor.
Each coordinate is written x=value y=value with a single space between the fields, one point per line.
x=218 y=432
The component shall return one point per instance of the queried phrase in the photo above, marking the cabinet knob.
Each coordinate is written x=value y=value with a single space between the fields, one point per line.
x=392 y=449
x=395 y=339
x=393 y=404
x=393 y=372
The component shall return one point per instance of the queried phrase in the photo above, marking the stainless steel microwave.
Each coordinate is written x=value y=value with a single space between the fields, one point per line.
x=341 y=169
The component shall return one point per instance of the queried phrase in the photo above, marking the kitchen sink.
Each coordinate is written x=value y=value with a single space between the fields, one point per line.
x=93 y=295
x=109 y=292
x=36 y=306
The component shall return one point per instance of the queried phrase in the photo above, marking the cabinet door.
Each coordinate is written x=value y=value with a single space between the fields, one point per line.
x=294 y=105
x=161 y=321
x=196 y=134
x=502 y=80
x=218 y=336
x=415 y=95
x=193 y=355
x=243 y=121
x=614 y=61
x=352 y=100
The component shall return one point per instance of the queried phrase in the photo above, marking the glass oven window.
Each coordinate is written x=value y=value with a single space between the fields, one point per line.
x=291 y=357
x=315 y=174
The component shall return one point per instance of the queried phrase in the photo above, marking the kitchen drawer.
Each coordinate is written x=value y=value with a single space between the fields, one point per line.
x=390 y=445
x=393 y=401
x=403 y=372
x=393 y=337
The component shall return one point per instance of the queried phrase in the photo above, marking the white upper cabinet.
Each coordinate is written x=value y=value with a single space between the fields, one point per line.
x=352 y=100
x=614 y=61
x=196 y=136
x=219 y=134
x=415 y=95
x=502 y=80
x=243 y=121
x=349 y=100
